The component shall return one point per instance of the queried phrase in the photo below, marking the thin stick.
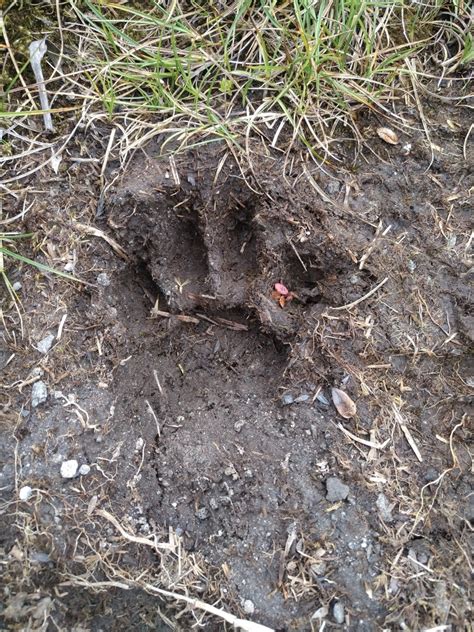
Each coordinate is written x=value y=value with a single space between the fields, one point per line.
x=362 y=298
x=407 y=433
x=369 y=444
x=107 y=152
x=242 y=624
x=61 y=326
x=130 y=537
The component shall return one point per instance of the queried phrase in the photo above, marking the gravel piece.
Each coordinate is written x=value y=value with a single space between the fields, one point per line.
x=336 y=489
x=338 y=612
x=17 y=286
x=25 y=493
x=69 y=468
x=84 y=469
x=302 y=398
x=103 y=279
x=333 y=187
x=39 y=393
x=385 y=510
x=322 y=399
x=45 y=345
x=248 y=606
x=239 y=425
x=202 y=513
x=286 y=400
x=39 y=557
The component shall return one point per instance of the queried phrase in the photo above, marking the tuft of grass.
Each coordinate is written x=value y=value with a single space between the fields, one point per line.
x=7 y=253
x=222 y=70
x=196 y=72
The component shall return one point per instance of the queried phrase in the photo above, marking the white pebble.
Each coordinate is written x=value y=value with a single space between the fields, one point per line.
x=69 y=468
x=17 y=286
x=25 y=493
x=39 y=393
x=338 y=612
x=45 y=345
x=84 y=469
x=103 y=279
x=248 y=606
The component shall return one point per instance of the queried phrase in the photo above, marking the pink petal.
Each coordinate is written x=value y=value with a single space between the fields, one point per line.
x=281 y=289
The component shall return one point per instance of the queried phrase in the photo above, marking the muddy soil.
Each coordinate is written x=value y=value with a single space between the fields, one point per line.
x=202 y=401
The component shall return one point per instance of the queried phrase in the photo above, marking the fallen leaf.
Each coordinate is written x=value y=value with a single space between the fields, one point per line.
x=343 y=403
x=388 y=135
x=281 y=289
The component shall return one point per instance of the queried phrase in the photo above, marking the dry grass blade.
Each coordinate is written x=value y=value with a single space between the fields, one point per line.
x=236 y=622
x=130 y=537
x=362 y=298
x=91 y=230
x=369 y=444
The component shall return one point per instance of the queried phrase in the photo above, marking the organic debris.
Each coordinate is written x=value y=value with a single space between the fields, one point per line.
x=343 y=403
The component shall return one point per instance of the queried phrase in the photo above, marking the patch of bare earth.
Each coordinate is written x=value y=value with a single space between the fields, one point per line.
x=219 y=467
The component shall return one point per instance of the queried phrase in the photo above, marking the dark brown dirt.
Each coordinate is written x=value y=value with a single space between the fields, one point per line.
x=185 y=365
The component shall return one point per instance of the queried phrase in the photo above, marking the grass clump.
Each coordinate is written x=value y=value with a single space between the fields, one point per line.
x=222 y=70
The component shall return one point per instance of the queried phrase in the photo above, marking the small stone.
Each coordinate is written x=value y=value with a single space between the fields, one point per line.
x=45 y=345
x=287 y=400
x=338 y=612
x=431 y=474
x=84 y=469
x=69 y=468
x=384 y=508
x=231 y=471
x=248 y=606
x=103 y=279
x=322 y=399
x=39 y=393
x=302 y=398
x=17 y=286
x=202 y=513
x=25 y=493
x=333 y=187
x=336 y=489
x=39 y=557
x=214 y=504
x=239 y=425
x=318 y=568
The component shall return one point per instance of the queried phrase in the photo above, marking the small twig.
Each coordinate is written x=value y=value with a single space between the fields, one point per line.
x=107 y=153
x=407 y=433
x=464 y=146
x=298 y=255
x=61 y=327
x=362 y=298
x=37 y=50
x=129 y=536
x=157 y=380
x=242 y=624
x=153 y=414
x=369 y=444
